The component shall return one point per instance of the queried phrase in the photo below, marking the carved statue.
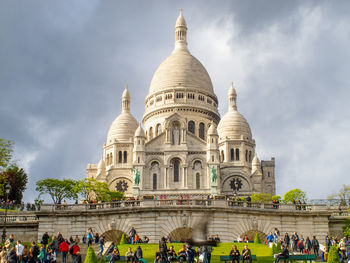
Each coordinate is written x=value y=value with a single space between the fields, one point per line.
x=136 y=177
x=213 y=175
x=176 y=136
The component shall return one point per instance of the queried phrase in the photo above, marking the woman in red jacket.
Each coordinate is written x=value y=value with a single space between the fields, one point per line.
x=75 y=249
x=64 y=248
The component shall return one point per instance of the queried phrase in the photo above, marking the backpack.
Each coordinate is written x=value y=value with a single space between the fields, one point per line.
x=35 y=251
x=71 y=250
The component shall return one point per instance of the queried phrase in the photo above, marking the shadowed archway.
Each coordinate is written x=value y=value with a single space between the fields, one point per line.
x=181 y=234
x=113 y=235
x=251 y=235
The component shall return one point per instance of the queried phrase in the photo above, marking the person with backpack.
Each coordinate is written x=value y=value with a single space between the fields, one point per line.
x=34 y=253
x=64 y=249
x=73 y=251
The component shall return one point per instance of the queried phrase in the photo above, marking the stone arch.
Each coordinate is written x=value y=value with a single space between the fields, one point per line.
x=113 y=235
x=181 y=234
x=251 y=234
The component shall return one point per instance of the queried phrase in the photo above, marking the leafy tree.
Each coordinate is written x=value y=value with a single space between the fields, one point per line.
x=6 y=149
x=123 y=240
x=261 y=198
x=91 y=256
x=257 y=238
x=91 y=189
x=343 y=195
x=57 y=189
x=333 y=256
x=18 y=180
x=294 y=195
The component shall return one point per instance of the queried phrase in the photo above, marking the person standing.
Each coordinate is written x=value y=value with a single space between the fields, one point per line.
x=45 y=239
x=163 y=250
x=235 y=254
x=90 y=236
x=75 y=249
x=3 y=255
x=286 y=240
x=191 y=254
x=19 y=251
x=295 y=239
x=34 y=252
x=132 y=234
x=64 y=248
x=55 y=245
x=42 y=254
x=101 y=244
x=315 y=245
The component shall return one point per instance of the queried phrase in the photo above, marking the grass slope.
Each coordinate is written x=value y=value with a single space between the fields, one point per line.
x=262 y=252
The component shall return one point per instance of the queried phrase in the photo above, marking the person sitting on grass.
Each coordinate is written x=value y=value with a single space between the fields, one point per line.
x=171 y=254
x=235 y=254
x=246 y=255
x=115 y=256
x=283 y=255
x=269 y=238
x=139 y=255
x=129 y=255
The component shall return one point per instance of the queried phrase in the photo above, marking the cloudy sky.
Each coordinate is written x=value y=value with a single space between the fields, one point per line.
x=64 y=65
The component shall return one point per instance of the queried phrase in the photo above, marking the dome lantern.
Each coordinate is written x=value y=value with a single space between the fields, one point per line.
x=180 y=32
x=232 y=98
x=126 y=99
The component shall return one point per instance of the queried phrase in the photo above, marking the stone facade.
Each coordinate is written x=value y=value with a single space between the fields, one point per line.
x=185 y=147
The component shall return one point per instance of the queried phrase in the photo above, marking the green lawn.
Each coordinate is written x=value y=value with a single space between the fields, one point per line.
x=262 y=252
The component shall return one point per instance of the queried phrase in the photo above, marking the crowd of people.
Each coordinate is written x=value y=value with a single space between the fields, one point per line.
x=12 y=205
x=304 y=245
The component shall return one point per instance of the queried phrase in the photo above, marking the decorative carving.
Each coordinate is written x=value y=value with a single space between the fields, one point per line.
x=122 y=186
x=236 y=184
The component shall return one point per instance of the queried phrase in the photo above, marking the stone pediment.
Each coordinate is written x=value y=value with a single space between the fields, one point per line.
x=194 y=143
x=156 y=144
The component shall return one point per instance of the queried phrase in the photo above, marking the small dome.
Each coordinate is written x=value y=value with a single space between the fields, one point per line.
x=123 y=128
x=140 y=132
x=212 y=130
x=233 y=125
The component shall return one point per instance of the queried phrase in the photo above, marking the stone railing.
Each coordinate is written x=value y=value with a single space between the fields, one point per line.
x=18 y=218
x=174 y=202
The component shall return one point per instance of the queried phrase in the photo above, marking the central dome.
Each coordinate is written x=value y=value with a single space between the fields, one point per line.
x=181 y=69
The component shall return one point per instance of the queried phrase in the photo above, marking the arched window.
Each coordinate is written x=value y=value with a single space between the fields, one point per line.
x=198 y=181
x=107 y=158
x=176 y=170
x=111 y=158
x=120 y=157
x=237 y=154
x=246 y=155
x=232 y=154
x=201 y=130
x=125 y=157
x=159 y=129
x=154 y=181
x=250 y=156
x=150 y=134
x=222 y=156
x=191 y=127
x=212 y=158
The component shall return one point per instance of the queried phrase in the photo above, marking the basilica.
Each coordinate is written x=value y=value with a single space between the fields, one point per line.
x=183 y=146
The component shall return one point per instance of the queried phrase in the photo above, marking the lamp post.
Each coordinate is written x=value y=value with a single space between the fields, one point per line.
x=7 y=192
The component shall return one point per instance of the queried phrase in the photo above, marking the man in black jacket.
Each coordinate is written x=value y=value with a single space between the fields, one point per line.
x=163 y=250
x=132 y=234
x=45 y=239
x=283 y=255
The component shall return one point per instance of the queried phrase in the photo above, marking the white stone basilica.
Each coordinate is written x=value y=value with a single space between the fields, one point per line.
x=185 y=147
